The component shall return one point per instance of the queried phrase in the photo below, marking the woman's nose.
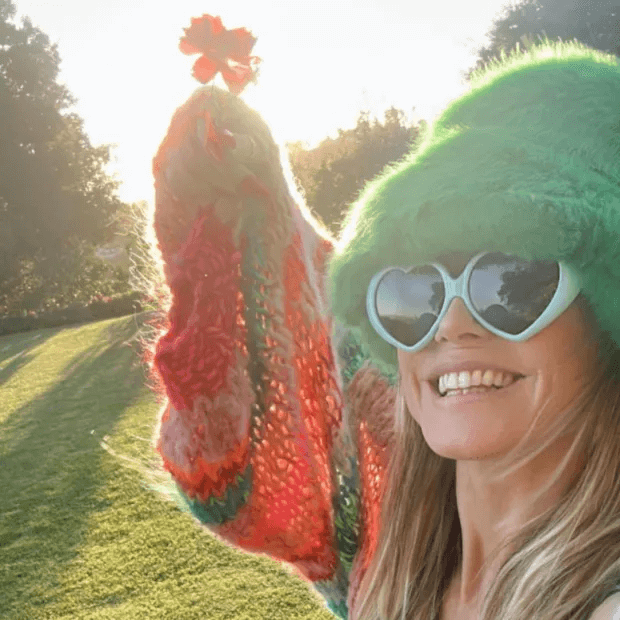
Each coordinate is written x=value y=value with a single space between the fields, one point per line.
x=459 y=325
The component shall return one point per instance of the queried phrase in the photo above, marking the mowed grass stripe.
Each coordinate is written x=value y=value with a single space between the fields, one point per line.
x=82 y=536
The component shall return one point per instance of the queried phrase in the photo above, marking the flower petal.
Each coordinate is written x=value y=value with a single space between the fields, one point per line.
x=243 y=43
x=208 y=23
x=218 y=46
x=236 y=78
x=202 y=34
x=204 y=69
x=216 y=23
x=187 y=48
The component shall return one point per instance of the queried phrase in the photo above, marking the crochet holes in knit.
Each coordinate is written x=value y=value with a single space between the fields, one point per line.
x=203 y=361
x=302 y=407
x=371 y=474
x=196 y=354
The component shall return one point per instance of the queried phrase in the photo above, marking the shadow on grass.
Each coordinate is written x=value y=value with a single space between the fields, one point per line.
x=17 y=349
x=50 y=468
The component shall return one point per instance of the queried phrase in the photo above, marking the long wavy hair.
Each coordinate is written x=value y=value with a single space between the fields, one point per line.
x=566 y=560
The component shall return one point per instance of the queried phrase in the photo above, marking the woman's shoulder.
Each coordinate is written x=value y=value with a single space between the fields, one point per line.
x=609 y=609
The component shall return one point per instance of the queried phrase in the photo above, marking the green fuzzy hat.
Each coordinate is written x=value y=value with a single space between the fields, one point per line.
x=527 y=162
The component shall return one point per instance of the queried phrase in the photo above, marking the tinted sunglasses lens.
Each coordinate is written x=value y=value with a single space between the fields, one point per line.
x=510 y=293
x=408 y=303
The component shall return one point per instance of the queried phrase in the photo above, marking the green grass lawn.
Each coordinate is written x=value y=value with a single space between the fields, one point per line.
x=81 y=533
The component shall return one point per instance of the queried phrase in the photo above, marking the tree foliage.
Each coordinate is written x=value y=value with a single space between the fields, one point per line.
x=331 y=175
x=56 y=198
x=596 y=23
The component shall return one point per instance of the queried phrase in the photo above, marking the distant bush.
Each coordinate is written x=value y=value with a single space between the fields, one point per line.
x=99 y=308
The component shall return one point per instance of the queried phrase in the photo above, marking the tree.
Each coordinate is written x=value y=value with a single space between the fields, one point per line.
x=331 y=175
x=55 y=195
x=596 y=23
x=133 y=248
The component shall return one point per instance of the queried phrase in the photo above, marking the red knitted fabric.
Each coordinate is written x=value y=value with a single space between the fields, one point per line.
x=255 y=384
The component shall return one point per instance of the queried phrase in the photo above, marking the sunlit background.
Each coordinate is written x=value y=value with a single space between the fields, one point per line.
x=323 y=61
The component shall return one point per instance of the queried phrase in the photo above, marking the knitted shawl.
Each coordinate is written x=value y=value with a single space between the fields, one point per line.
x=276 y=427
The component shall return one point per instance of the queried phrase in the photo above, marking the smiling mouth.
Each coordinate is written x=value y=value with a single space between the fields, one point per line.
x=435 y=387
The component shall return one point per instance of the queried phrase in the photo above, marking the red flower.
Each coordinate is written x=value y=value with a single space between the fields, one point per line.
x=224 y=51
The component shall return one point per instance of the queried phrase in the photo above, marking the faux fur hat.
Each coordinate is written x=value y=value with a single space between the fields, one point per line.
x=527 y=163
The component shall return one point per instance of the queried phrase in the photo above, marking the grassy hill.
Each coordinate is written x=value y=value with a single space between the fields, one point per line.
x=82 y=536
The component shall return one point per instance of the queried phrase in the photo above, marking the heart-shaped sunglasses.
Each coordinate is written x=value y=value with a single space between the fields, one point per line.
x=512 y=297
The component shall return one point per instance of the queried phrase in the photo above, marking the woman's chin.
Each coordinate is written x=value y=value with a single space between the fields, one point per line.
x=461 y=452
x=470 y=443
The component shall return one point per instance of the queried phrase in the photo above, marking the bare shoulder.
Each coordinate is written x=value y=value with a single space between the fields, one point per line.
x=609 y=609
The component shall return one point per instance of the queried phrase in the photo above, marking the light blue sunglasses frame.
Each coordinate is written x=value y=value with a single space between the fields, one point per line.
x=569 y=286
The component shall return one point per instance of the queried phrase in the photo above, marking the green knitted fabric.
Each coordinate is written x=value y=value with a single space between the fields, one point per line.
x=527 y=162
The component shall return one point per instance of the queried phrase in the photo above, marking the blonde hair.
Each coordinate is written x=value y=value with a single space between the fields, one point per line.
x=566 y=560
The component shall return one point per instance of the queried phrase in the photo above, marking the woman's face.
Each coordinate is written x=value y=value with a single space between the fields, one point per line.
x=556 y=363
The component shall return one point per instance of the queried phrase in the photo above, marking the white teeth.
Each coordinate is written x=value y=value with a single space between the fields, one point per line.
x=465 y=379
x=487 y=378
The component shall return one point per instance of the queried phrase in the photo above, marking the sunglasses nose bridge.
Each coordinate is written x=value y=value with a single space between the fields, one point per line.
x=453 y=307
x=455 y=287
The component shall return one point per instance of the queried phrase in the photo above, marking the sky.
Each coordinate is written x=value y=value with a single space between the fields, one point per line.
x=323 y=61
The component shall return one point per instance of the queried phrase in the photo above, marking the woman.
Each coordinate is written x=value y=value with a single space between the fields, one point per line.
x=486 y=258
